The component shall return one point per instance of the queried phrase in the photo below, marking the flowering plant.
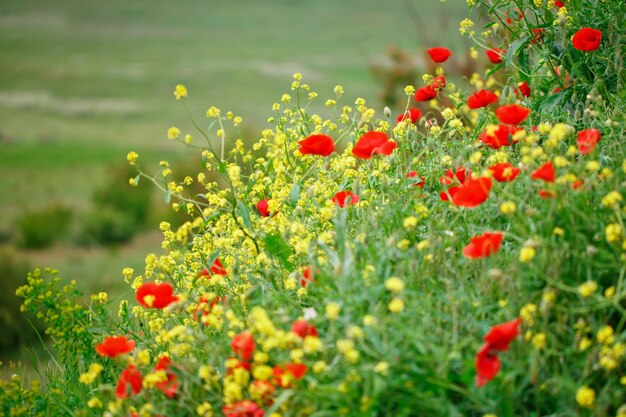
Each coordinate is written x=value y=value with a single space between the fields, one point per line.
x=465 y=259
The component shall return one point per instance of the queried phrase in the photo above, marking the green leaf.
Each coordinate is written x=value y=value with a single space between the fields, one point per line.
x=294 y=195
x=245 y=214
x=514 y=48
x=279 y=249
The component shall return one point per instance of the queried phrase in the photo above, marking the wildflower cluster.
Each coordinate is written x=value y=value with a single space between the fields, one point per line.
x=464 y=256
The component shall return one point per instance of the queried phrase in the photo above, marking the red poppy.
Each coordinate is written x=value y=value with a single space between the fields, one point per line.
x=413 y=113
x=484 y=245
x=307 y=275
x=284 y=376
x=263 y=390
x=537 y=35
x=501 y=335
x=114 y=346
x=340 y=199
x=587 y=140
x=449 y=193
x=169 y=387
x=559 y=3
x=501 y=135
x=504 y=172
x=578 y=184
x=545 y=173
x=495 y=55
x=216 y=269
x=487 y=365
x=460 y=174
x=546 y=194
x=372 y=143
x=205 y=306
x=318 y=144
x=472 y=193
x=129 y=377
x=512 y=114
x=303 y=329
x=587 y=39
x=439 y=54
x=245 y=408
x=426 y=93
x=154 y=295
x=420 y=180
x=523 y=89
x=243 y=345
x=438 y=82
x=263 y=208
x=481 y=98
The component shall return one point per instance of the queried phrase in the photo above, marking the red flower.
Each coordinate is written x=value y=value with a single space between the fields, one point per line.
x=483 y=245
x=169 y=387
x=245 y=408
x=420 y=183
x=504 y=172
x=114 y=346
x=372 y=143
x=263 y=208
x=498 y=136
x=495 y=55
x=413 y=113
x=155 y=295
x=559 y=3
x=587 y=140
x=472 y=193
x=537 y=35
x=204 y=307
x=319 y=144
x=481 y=98
x=545 y=194
x=587 y=39
x=216 y=269
x=284 y=376
x=263 y=390
x=523 y=89
x=487 y=365
x=307 y=276
x=243 y=345
x=303 y=329
x=129 y=376
x=341 y=197
x=544 y=173
x=512 y=114
x=459 y=175
x=426 y=93
x=439 y=54
x=501 y=335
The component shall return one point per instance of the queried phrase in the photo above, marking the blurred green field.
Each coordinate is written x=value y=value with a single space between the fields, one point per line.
x=82 y=82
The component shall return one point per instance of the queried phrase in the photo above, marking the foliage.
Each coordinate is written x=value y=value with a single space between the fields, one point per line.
x=41 y=228
x=473 y=267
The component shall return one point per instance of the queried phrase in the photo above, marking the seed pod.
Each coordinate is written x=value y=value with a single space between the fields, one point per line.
x=506 y=91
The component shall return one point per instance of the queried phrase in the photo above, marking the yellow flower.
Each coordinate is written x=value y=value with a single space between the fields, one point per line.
x=508 y=207
x=605 y=335
x=527 y=254
x=132 y=157
x=173 y=132
x=539 y=341
x=332 y=311
x=394 y=284
x=180 y=91
x=410 y=222
x=94 y=403
x=613 y=232
x=381 y=368
x=587 y=288
x=611 y=199
x=585 y=397
x=396 y=305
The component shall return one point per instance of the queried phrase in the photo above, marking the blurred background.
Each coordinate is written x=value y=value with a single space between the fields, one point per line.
x=83 y=82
